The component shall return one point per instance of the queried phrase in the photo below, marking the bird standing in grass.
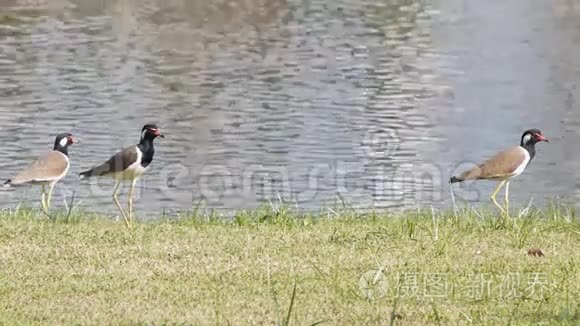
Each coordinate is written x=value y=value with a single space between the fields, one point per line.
x=505 y=165
x=128 y=165
x=47 y=170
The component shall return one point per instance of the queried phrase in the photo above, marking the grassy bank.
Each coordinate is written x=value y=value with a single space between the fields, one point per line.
x=275 y=267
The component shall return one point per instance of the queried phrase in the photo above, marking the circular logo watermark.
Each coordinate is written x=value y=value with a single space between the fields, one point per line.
x=374 y=284
x=381 y=143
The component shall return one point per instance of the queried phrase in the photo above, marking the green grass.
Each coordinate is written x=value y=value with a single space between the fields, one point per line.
x=274 y=266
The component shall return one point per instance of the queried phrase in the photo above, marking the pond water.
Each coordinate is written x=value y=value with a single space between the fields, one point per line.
x=371 y=102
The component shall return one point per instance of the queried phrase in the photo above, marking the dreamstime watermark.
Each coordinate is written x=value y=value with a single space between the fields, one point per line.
x=405 y=184
x=377 y=284
x=408 y=184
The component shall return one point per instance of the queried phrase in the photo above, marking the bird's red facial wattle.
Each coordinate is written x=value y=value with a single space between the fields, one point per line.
x=540 y=137
x=156 y=132
x=71 y=140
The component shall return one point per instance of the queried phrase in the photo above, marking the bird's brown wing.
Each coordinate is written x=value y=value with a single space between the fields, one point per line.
x=117 y=163
x=48 y=167
x=502 y=165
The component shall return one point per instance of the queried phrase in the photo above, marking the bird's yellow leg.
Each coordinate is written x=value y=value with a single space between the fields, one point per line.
x=131 y=193
x=507 y=199
x=116 y=200
x=49 y=197
x=43 y=199
x=492 y=197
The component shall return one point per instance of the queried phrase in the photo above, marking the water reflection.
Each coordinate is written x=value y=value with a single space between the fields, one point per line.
x=376 y=101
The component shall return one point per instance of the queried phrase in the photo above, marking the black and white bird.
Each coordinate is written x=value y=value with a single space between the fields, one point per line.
x=505 y=165
x=128 y=165
x=47 y=170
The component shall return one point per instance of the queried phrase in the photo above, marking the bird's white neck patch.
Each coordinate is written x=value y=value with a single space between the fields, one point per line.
x=520 y=168
x=63 y=142
x=527 y=139
x=143 y=133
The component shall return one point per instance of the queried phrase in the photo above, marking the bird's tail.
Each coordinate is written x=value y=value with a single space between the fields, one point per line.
x=7 y=184
x=85 y=174
x=455 y=180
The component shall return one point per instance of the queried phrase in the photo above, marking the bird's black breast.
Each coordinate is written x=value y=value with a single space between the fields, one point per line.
x=531 y=148
x=147 y=152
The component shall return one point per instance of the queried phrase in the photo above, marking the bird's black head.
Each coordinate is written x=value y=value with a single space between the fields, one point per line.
x=532 y=136
x=151 y=131
x=63 y=141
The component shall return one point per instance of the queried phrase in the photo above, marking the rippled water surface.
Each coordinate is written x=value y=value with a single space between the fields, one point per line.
x=372 y=102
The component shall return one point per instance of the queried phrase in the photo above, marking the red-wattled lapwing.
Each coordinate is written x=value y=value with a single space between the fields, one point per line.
x=47 y=170
x=128 y=165
x=505 y=165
